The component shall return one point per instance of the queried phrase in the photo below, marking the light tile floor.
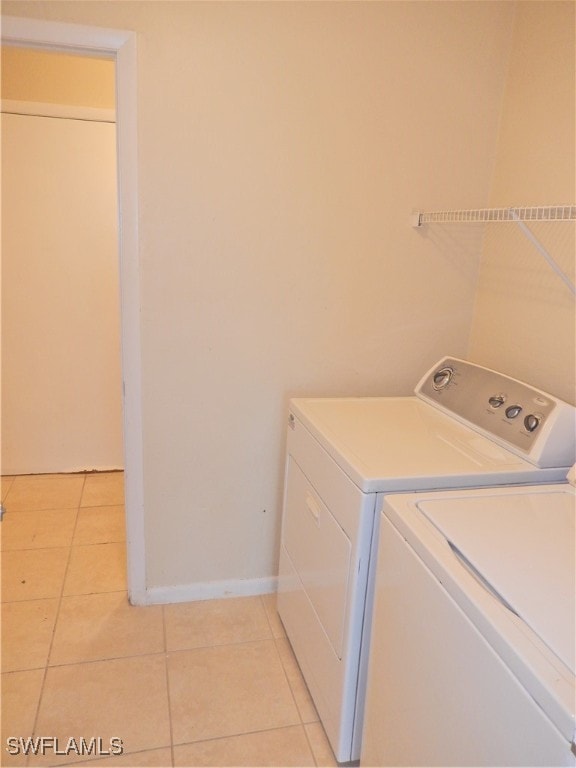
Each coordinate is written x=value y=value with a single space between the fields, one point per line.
x=211 y=683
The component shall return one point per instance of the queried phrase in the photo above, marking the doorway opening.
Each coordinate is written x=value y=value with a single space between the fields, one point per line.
x=62 y=378
x=120 y=46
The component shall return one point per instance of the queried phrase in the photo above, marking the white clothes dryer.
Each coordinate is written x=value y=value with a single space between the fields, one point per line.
x=474 y=630
x=465 y=427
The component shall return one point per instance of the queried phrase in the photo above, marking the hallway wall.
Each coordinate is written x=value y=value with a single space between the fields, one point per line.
x=61 y=376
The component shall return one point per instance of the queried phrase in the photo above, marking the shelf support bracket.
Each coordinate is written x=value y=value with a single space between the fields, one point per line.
x=543 y=252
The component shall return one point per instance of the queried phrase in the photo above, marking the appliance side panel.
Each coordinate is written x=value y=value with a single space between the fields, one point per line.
x=321 y=600
x=455 y=704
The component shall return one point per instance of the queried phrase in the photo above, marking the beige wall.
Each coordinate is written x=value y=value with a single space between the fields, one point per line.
x=282 y=148
x=57 y=78
x=524 y=321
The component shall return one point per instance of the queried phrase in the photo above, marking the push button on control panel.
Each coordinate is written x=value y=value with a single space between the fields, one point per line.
x=497 y=400
x=442 y=377
x=531 y=422
x=513 y=410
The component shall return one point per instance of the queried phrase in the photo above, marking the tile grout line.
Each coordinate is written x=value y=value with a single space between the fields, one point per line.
x=288 y=682
x=35 y=724
x=274 y=638
x=302 y=723
x=96 y=758
x=242 y=733
x=263 y=606
x=164 y=635
x=282 y=662
x=86 y=662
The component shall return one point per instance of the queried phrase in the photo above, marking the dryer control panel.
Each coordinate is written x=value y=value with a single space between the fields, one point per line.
x=534 y=424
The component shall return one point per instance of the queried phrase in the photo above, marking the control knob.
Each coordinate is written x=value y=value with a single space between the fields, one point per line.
x=513 y=411
x=531 y=422
x=442 y=377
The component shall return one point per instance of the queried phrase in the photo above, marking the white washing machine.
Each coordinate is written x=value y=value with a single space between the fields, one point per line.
x=465 y=427
x=473 y=636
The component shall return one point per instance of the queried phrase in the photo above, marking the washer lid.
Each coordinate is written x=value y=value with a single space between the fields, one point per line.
x=522 y=545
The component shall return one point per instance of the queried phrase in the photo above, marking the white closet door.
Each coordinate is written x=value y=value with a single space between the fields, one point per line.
x=61 y=373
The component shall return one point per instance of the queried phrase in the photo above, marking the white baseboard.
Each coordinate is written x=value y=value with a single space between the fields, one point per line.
x=208 y=590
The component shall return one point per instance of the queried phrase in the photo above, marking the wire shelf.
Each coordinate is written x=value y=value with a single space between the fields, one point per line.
x=519 y=215
x=533 y=213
